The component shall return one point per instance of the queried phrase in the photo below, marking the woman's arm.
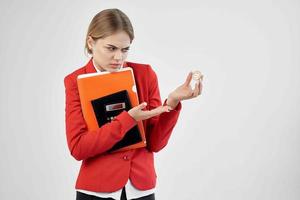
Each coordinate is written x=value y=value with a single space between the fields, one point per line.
x=159 y=128
x=81 y=142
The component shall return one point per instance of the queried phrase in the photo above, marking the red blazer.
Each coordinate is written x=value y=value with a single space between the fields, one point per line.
x=109 y=172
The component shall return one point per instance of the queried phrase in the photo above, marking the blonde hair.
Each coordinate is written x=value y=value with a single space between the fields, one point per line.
x=108 y=22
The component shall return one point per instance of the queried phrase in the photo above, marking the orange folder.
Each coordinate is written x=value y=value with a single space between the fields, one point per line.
x=93 y=86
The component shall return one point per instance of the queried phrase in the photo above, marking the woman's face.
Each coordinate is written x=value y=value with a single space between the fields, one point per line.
x=110 y=52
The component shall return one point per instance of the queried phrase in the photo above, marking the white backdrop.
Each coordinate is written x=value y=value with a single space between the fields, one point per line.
x=238 y=140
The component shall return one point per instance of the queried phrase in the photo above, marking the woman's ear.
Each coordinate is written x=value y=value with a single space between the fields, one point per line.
x=90 y=43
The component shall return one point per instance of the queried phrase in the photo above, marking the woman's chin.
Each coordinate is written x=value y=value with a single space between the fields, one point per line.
x=113 y=69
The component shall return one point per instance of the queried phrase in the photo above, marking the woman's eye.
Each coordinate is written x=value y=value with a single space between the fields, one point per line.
x=111 y=48
x=114 y=48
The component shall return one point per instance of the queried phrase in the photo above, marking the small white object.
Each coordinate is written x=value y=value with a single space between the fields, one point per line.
x=196 y=75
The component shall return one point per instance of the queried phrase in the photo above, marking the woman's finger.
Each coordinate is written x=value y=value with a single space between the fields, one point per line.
x=200 y=88
x=188 y=79
x=196 y=89
x=156 y=111
x=201 y=78
x=141 y=106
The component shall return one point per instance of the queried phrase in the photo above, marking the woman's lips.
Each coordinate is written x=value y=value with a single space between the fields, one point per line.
x=115 y=65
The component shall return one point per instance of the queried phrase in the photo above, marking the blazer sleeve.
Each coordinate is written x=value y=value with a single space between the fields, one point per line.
x=81 y=142
x=159 y=128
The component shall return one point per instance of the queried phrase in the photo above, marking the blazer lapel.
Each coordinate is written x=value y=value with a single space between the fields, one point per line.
x=89 y=67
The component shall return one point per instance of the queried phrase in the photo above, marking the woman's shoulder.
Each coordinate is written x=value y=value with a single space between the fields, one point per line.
x=140 y=67
x=136 y=64
x=72 y=77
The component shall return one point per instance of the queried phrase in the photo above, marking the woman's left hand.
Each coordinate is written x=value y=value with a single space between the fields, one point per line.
x=185 y=91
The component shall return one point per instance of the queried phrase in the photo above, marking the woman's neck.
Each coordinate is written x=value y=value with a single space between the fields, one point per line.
x=97 y=66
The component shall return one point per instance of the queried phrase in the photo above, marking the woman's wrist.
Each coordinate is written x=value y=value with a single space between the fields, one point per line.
x=172 y=102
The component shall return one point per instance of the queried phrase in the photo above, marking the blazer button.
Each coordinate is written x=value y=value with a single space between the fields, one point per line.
x=126 y=158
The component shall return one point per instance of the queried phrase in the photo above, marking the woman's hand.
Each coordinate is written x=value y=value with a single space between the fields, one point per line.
x=138 y=114
x=185 y=91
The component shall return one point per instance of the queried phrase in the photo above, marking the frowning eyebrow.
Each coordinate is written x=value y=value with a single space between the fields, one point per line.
x=117 y=47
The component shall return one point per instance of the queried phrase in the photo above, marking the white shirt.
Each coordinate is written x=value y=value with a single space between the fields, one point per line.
x=131 y=191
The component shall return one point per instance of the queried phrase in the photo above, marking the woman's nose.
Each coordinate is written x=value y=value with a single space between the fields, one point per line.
x=118 y=55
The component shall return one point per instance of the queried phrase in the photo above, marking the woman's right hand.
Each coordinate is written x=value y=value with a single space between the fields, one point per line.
x=138 y=114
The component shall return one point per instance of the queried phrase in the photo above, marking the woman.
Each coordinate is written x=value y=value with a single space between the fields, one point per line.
x=128 y=174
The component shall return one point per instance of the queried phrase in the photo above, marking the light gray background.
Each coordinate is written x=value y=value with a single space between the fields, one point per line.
x=238 y=140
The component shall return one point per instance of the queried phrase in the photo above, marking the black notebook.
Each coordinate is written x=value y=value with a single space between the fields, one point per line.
x=108 y=107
